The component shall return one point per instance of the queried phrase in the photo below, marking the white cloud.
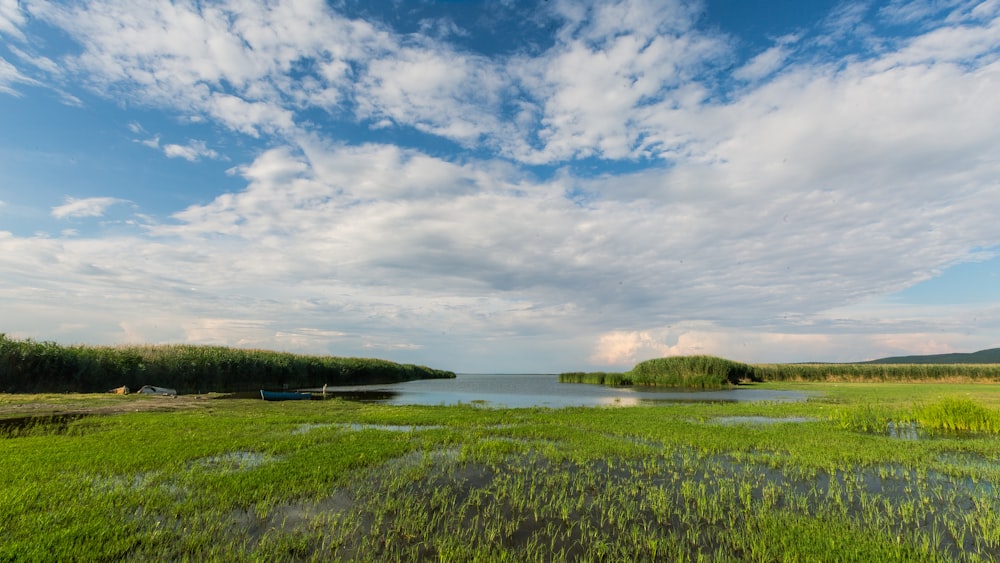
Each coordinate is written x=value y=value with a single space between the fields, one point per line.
x=86 y=207
x=626 y=348
x=9 y=76
x=818 y=185
x=194 y=151
x=152 y=142
x=912 y=11
x=375 y=246
x=763 y=64
x=437 y=91
x=40 y=62
x=230 y=62
x=615 y=65
x=848 y=19
x=612 y=65
x=975 y=41
x=623 y=349
x=11 y=19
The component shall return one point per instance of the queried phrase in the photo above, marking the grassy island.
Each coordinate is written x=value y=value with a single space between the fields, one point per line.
x=703 y=372
x=27 y=366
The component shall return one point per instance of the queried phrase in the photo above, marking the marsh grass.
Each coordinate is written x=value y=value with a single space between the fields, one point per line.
x=701 y=372
x=712 y=372
x=948 y=415
x=958 y=415
x=868 y=417
x=945 y=373
x=242 y=481
x=30 y=366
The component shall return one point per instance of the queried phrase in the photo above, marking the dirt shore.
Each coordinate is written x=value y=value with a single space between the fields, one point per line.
x=19 y=406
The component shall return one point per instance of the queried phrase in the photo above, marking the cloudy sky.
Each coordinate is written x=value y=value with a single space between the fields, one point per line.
x=510 y=186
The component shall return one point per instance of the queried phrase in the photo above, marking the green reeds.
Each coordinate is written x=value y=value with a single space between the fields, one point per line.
x=878 y=372
x=946 y=415
x=700 y=372
x=867 y=417
x=27 y=366
x=691 y=371
x=954 y=414
x=713 y=372
x=595 y=378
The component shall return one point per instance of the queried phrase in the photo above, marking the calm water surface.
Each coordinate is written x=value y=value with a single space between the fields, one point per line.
x=517 y=391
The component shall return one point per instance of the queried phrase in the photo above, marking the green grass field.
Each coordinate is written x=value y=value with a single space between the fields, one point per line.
x=831 y=478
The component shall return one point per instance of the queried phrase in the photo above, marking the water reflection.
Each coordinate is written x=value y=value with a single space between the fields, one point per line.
x=521 y=391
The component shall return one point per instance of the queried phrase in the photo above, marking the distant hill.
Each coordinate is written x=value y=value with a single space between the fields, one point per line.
x=991 y=356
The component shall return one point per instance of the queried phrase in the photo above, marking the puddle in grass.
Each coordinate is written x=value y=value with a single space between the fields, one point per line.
x=357 y=427
x=110 y=483
x=353 y=514
x=234 y=461
x=390 y=427
x=759 y=420
x=477 y=484
x=970 y=461
x=905 y=431
x=310 y=426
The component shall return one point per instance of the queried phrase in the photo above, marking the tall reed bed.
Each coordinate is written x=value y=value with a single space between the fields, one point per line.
x=30 y=366
x=878 y=372
x=712 y=372
x=703 y=372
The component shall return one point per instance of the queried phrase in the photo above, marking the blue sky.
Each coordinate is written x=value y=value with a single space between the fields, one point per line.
x=504 y=186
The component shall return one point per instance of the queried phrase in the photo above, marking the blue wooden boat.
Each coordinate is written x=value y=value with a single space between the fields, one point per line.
x=284 y=395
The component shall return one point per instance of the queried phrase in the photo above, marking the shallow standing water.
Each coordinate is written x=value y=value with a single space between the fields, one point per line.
x=521 y=390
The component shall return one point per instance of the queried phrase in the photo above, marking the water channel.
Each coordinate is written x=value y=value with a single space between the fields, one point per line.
x=544 y=390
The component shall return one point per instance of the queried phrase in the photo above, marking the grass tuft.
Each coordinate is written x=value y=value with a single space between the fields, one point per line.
x=954 y=414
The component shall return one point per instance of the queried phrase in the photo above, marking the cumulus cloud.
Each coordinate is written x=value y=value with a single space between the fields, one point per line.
x=232 y=63
x=85 y=207
x=440 y=92
x=762 y=217
x=614 y=65
x=626 y=348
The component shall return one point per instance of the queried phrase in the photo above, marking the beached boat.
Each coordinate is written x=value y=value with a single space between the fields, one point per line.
x=284 y=395
x=154 y=390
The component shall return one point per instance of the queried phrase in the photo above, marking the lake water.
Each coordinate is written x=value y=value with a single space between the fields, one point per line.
x=518 y=391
